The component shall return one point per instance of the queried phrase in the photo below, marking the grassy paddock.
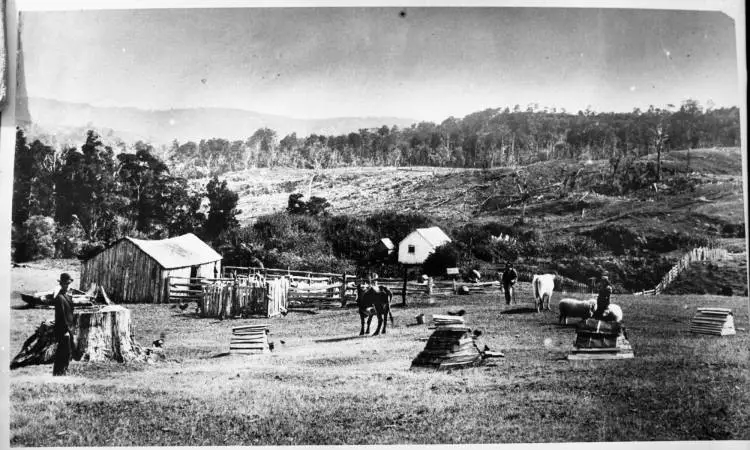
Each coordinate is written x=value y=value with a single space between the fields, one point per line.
x=326 y=385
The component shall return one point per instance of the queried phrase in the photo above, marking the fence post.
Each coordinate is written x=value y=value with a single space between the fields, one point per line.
x=343 y=290
x=455 y=289
x=403 y=294
x=429 y=286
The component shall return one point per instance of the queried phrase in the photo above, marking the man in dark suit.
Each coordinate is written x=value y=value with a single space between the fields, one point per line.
x=509 y=278
x=63 y=325
x=602 y=299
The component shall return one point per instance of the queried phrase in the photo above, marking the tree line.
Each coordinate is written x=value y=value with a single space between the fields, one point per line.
x=485 y=139
x=76 y=200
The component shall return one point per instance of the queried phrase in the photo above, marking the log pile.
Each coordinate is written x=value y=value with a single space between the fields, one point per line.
x=250 y=339
x=596 y=339
x=715 y=321
x=450 y=346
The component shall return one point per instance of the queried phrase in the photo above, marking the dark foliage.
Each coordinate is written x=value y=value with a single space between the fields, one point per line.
x=442 y=258
x=223 y=209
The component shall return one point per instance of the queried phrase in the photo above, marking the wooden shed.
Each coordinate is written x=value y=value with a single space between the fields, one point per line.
x=137 y=271
x=384 y=248
x=417 y=246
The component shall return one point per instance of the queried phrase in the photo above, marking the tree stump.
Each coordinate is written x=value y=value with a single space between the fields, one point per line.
x=101 y=334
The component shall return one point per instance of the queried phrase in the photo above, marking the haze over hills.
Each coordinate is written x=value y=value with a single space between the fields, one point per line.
x=163 y=126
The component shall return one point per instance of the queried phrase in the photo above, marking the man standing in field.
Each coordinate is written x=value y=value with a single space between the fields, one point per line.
x=63 y=324
x=509 y=280
x=602 y=300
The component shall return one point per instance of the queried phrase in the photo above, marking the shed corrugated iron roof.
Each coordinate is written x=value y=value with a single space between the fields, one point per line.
x=434 y=235
x=388 y=243
x=181 y=251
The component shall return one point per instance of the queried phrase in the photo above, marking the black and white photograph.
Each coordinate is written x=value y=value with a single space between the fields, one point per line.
x=260 y=225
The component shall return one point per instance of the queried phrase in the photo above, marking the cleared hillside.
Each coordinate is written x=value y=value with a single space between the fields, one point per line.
x=564 y=194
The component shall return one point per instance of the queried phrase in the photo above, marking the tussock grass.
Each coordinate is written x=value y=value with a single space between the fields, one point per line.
x=326 y=385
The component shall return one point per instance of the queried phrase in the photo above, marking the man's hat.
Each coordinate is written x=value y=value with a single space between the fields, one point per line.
x=65 y=278
x=605 y=278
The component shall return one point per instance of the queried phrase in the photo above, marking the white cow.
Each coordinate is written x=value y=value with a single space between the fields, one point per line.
x=543 y=285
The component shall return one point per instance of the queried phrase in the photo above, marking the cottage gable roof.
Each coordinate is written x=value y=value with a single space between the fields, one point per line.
x=181 y=251
x=434 y=236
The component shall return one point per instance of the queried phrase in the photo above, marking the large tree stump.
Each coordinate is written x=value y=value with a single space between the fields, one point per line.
x=101 y=334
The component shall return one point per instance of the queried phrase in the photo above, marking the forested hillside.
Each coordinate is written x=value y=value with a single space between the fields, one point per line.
x=491 y=138
x=577 y=193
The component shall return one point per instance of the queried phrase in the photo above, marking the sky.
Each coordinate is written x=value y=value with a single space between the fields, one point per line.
x=417 y=63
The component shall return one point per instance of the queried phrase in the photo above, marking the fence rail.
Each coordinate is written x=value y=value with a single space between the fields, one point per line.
x=694 y=255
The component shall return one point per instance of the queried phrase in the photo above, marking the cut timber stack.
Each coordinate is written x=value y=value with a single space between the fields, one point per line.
x=249 y=339
x=716 y=321
x=441 y=320
x=450 y=346
x=600 y=340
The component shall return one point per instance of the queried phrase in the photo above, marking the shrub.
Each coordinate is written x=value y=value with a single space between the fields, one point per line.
x=617 y=238
x=733 y=230
x=442 y=258
x=506 y=251
x=679 y=241
x=575 y=245
x=316 y=206
x=350 y=237
x=39 y=237
x=69 y=240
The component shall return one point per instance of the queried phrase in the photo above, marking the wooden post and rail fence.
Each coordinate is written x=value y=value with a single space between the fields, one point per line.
x=267 y=292
x=694 y=255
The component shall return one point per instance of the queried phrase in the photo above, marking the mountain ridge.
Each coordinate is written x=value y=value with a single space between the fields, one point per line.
x=162 y=126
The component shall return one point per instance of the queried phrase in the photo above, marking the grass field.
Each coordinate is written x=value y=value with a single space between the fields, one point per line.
x=326 y=385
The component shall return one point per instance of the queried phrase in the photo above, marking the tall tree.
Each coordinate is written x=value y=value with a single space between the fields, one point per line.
x=222 y=213
x=142 y=176
x=86 y=188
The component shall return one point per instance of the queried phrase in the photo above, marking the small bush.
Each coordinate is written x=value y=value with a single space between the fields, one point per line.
x=575 y=245
x=350 y=237
x=69 y=241
x=39 y=236
x=442 y=258
x=617 y=238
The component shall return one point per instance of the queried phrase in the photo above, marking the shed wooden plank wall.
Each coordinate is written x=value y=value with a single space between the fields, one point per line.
x=126 y=273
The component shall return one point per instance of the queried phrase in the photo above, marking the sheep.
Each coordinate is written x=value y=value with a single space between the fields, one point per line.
x=570 y=307
x=612 y=314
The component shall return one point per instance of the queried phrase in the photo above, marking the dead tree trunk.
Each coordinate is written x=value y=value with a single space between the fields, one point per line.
x=101 y=334
x=106 y=334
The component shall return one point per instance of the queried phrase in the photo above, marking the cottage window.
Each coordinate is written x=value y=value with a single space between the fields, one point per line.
x=411 y=249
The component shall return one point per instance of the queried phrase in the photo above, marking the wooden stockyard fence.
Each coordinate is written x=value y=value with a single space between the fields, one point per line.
x=247 y=291
x=335 y=290
x=232 y=297
x=696 y=254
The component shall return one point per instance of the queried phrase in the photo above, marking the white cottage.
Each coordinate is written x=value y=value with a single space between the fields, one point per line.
x=415 y=247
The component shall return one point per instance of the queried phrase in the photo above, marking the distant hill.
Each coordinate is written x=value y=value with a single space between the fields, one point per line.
x=163 y=126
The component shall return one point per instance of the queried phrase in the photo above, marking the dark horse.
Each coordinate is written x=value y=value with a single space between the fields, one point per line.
x=380 y=300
